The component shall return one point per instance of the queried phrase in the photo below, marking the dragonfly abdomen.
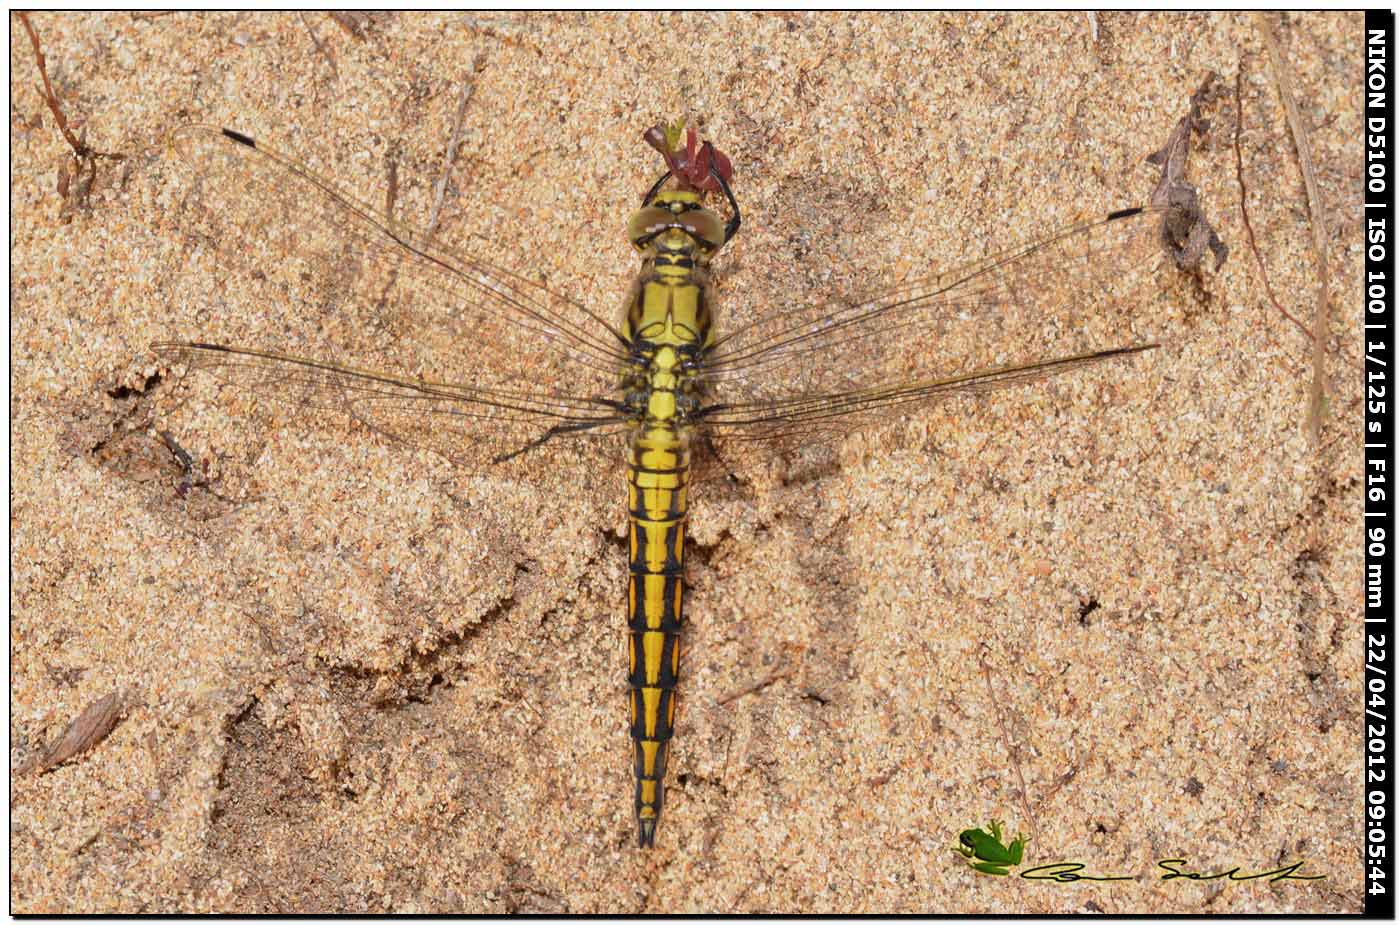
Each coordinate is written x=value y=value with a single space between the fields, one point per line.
x=656 y=509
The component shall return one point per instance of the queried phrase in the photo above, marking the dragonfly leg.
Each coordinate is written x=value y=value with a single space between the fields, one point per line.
x=655 y=188
x=558 y=430
x=732 y=228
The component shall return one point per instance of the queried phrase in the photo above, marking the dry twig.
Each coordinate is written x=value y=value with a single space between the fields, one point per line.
x=1321 y=320
x=352 y=23
x=1244 y=211
x=768 y=681
x=391 y=192
x=80 y=148
x=316 y=40
x=84 y=157
x=450 y=155
x=1013 y=750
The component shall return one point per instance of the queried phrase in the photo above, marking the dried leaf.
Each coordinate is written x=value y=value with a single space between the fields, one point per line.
x=92 y=726
x=1185 y=231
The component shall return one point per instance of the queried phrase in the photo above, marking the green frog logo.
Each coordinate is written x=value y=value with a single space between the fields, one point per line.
x=985 y=852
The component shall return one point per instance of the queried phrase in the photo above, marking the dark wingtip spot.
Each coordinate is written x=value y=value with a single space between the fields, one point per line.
x=1124 y=213
x=240 y=138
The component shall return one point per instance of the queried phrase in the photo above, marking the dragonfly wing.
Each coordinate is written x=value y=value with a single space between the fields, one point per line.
x=792 y=422
x=1078 y=281
x=375 y=284
x=469 y=426
x=482 y=356
x=1079 y=296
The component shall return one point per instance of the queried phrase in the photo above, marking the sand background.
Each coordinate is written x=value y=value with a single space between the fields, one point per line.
x=357 y=679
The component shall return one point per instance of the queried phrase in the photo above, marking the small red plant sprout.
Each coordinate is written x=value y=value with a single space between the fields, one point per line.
x=692 y=166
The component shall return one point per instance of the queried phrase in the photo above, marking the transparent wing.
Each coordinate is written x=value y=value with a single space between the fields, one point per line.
x=804 y=419
x=488 y=362
x=466 y=425
x=1074 y=298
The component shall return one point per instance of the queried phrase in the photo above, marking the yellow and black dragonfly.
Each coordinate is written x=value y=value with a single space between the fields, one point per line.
x=446 y=350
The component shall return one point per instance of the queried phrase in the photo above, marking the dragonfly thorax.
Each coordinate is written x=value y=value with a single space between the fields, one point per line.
x=668 y=320
x=662 y=385
x=669 y=306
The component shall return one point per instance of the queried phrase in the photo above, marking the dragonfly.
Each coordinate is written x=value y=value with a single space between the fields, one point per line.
x=446 y=349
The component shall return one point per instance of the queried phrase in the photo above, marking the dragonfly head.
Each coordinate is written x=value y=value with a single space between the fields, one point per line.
x=671 y=213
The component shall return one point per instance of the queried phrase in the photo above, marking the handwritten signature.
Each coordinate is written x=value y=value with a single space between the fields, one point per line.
x=1070 y=871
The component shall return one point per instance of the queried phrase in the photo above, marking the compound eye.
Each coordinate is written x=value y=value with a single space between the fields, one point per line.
x=647 y=222
x=703 y=225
